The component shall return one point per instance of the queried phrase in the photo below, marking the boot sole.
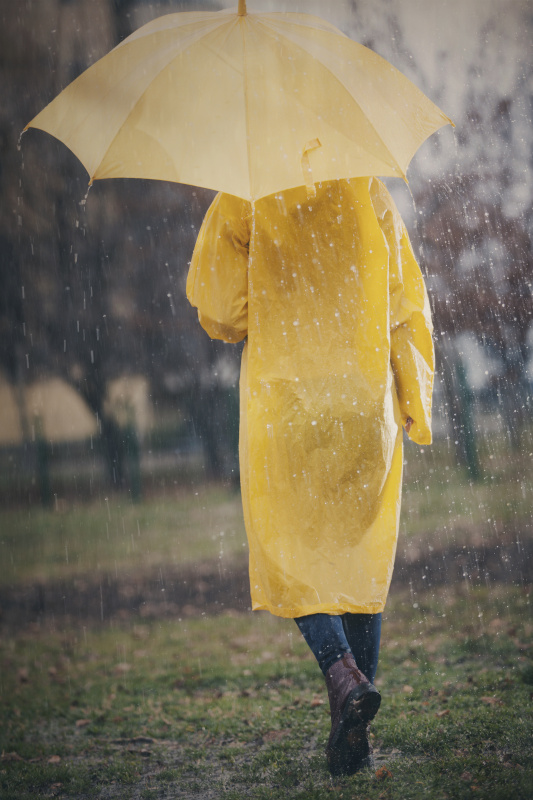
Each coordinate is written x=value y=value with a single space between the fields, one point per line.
x=349 y=749
x=365 y=704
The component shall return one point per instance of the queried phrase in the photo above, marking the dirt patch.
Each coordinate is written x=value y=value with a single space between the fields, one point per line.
x=478 y=565
x=212 y=587
x=207 y=587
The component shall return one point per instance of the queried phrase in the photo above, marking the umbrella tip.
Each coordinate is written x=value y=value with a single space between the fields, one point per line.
x=241 y=12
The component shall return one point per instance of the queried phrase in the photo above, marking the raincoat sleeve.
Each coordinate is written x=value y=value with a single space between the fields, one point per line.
x=217 y=284
x=411 y=329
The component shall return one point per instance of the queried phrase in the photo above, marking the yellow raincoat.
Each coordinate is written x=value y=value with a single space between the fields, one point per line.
x=338 y=355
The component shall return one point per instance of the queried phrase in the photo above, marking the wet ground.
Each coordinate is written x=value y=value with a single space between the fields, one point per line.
x=211 y=587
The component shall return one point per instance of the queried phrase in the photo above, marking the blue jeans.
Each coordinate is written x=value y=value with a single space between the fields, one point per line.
x=330 y=637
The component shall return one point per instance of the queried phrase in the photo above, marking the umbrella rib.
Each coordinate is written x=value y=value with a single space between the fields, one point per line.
x=272 y=31
x=242 y=21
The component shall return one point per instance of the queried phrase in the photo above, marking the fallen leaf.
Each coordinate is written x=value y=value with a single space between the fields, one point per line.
x=121 y=669
x=81 y=723
x=443 y=713
x=11 y=757
x=408 y=689
x=275 y=736
x=54 y=759
x=383 y=773
x=492 y=701
x=466 y=776
x=316 y=701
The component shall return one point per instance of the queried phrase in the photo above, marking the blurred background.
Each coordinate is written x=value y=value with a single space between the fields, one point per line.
x=109 y=390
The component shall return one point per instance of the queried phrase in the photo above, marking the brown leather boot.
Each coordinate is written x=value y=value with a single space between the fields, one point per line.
x=353 y=702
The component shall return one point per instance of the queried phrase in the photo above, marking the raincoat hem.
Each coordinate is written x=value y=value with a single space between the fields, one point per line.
x=323 y=608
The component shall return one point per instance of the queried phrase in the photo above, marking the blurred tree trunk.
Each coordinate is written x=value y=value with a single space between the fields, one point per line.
x=214 y=412
x=204 y=411
x=122 y=18
x=459 y=401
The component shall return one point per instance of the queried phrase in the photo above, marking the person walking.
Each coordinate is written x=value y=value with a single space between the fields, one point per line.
x=338 y=358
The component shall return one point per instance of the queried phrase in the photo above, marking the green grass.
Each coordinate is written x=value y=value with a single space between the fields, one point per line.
x=441 y=507
x=114 y=534
x=235 y=707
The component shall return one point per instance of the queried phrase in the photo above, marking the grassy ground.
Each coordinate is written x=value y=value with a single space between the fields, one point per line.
x=439 y=498
x=440 y=507
x=114 y=534
x=234 y=707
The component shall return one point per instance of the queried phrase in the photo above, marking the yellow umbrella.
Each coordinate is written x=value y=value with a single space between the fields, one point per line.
x=248 y=104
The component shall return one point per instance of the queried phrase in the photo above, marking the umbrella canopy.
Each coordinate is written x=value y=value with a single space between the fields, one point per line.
x=248 y=104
